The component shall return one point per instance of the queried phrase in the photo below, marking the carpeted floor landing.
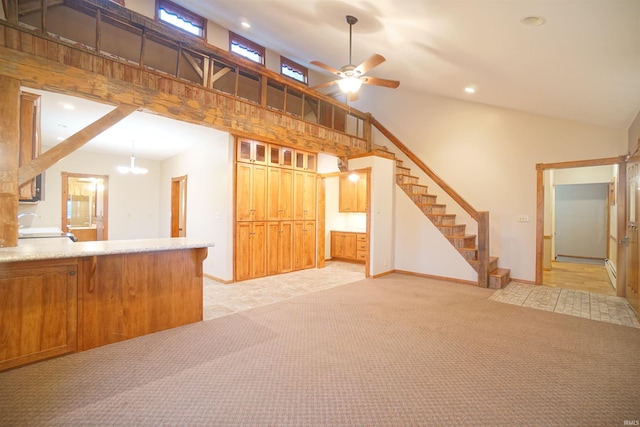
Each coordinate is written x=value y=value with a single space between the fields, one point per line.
x=397 y=350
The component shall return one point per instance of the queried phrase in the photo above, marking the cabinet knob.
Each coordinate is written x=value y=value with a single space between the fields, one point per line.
x=72 y=273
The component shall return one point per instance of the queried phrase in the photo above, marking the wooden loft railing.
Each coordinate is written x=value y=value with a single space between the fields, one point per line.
x=481 y=217
x=242 y=97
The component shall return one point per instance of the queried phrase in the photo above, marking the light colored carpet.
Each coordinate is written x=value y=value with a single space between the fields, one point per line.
x=398 y=350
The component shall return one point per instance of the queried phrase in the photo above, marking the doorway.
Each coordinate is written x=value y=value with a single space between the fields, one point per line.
x=179 y=206
x=85 y=206
x=582 y=275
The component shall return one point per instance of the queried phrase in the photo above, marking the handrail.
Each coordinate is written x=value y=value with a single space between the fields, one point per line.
x=481 y=217
x=431 y=174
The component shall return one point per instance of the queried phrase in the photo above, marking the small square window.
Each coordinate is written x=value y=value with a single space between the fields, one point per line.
x=293 y=70
x=179 y=17
x=246 y=48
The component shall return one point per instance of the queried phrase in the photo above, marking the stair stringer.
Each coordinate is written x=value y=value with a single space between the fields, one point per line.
x=421 y=248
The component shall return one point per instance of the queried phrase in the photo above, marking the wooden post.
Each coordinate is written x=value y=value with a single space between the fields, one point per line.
x=483 y=249
x=9 y=143
x=11 y=11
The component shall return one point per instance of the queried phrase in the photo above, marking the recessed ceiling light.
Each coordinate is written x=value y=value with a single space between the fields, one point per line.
x=60 y=138
x=533 y=21
x=246 y=24
x=470 y=89
x=67 y=106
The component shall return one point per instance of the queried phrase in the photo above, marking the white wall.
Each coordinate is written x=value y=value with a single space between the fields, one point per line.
x=209 y=170
x=489 y=155
x=134 y=200
x=634 y=134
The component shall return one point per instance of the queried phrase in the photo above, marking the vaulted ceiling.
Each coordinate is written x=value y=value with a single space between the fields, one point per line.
x=582 y=64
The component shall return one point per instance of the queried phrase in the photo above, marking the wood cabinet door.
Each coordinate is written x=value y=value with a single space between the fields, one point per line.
x=298 y=195
x=244 y=177
x=298 y=245
x=350 y=245
x=259 y=249
x=243 y=251
x=259 y=193
x=38 y=302
x=361 y=191
x=337 y=244
x=273 y=247
x=250 y=151
x=286 y=246
x=286 y=195
x=273 y=193
x=309 y=244
x=347 y=195
x=309 y=196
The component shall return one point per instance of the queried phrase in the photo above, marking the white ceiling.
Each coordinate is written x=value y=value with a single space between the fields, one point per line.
x=583 y=64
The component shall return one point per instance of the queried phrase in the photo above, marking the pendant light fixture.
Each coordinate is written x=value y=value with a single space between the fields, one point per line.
x=132 y=168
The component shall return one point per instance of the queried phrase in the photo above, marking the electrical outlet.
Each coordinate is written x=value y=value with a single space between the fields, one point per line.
x=523 y=218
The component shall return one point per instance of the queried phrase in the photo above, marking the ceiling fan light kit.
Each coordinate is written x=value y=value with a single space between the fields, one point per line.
x=352 y=77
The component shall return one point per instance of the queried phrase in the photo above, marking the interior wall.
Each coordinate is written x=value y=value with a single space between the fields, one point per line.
x=634 y=134
x=581 y=220
x=209 y=170
x=134 y=200
x=489 y=155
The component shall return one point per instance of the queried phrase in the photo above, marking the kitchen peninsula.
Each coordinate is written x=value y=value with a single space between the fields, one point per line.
x=59 y=296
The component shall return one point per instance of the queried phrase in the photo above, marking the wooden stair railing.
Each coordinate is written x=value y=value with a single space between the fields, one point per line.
x=484 y=264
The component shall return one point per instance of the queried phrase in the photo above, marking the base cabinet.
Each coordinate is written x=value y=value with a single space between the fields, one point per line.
x=38 y=311
x=251 y=250
x=130 y=295
x=349 y=246
x=279 y=247
x=304 y=244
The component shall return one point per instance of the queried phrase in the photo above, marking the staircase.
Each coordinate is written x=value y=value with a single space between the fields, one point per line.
x=446 y=223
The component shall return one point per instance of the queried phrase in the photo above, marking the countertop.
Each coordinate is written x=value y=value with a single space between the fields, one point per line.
x=47 y=248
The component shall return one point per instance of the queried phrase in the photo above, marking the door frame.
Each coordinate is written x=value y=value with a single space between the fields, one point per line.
x=620 y=194
x=65 y=196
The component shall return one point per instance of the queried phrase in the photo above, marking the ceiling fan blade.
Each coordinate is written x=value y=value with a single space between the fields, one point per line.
x=373 y=61
x=380 y=82
x=325 y=84
x=326 y=67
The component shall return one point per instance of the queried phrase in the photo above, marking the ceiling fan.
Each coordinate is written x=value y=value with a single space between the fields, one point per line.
x=351 y=76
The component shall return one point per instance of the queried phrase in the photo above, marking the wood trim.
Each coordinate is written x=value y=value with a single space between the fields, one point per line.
x=621 y=259
x=483 y=249
x=539 y=224
x=320 y=220
x=430 y=276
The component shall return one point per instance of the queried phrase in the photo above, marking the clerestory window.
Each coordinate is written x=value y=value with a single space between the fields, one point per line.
x=246 y=48
x=294 y=70
x=179 y=17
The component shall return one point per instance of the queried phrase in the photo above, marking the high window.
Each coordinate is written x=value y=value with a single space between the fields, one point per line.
x=294 y=70
x=246 y=48
x=181 y=18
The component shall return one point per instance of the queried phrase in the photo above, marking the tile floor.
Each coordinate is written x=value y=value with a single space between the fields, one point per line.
x=222 y=299
x=594 y=306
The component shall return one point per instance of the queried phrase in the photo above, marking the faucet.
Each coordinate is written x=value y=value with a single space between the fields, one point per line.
x=26 y=214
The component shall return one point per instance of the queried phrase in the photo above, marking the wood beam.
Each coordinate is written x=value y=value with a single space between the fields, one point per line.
x=193 y=63
x=9 y=143
x=75 y=141
x=212 y=109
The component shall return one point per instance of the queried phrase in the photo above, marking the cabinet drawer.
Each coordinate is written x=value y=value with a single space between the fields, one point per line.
x=362 y=255
x=362 y=246
x=362 y=237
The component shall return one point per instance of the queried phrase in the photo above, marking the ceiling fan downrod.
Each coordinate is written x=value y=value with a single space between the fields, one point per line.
x=351 y=20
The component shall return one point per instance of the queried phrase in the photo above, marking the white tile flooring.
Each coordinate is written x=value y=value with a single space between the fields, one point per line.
x=221 y=299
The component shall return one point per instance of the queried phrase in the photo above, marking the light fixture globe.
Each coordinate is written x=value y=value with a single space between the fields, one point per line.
x=350 y=84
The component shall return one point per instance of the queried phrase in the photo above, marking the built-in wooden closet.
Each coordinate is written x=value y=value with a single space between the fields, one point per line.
x=275 y=209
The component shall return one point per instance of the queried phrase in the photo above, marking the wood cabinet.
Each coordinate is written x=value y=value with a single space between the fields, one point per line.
x=275 y=209
x=250 y=151
x=280 y=156
x=305 y=161
x=251 y=250
x=349 y=246
x=123 y=296
x=304 y=244
x=251 y=188
x=38 y=302
x=279 y=194
x=304 y=195
x=353 y=194
x=29 y=141
x=279 y=247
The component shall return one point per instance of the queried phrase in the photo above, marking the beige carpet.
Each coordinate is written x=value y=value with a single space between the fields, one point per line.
x=398 y=350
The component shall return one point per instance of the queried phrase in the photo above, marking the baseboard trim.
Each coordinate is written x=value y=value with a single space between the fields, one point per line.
x=209 y=276
x=431 y=276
